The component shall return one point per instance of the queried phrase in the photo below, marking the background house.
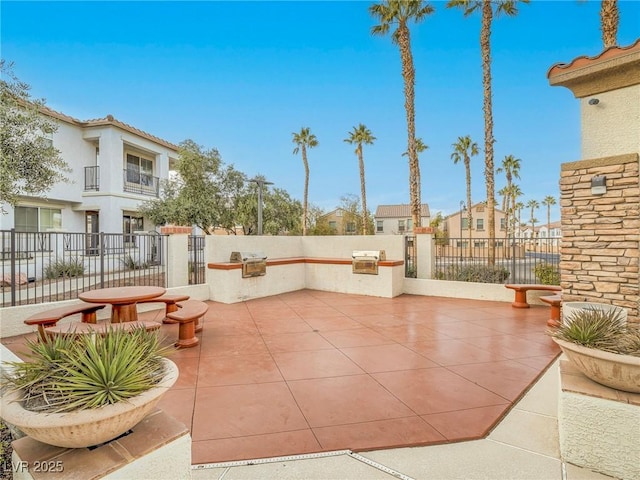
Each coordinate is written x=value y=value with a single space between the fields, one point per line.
x=114 y=168
x=456 y=225
x=341 y=221
x=396 y=219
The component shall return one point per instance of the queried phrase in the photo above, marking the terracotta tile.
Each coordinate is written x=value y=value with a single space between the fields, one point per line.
x=296 y=342
x=410 y=332
x=356 y=337
x=314 y=311
x=232 y=345
x=453 y=352
x=154 y=431
x=238 y=370
x=188 y=371
x=512 y=346
x=540 y=363
x=230 y=326
x=256 y=446
x=378 y=320
x=328 y=324
x=387 y=358
x=396 y=432
x=464 y=329
x=179 y=404
x=358 y=309
x=343 y=400
x=507 y=378
x=243 y=410
x=315 y=364
x=282 y=325
x=435 y=390
x=466 y=424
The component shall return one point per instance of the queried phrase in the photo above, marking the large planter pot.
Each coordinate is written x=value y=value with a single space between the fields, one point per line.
x=89 y=427
x=613 y=370
x=570 y=308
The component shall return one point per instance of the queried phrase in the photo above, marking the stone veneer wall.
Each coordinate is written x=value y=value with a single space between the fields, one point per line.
x=601 y=233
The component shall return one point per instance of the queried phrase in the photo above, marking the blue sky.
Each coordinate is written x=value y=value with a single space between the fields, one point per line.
x=242 y=76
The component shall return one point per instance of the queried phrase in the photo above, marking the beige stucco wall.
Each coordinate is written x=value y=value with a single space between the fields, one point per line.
x=612 y=126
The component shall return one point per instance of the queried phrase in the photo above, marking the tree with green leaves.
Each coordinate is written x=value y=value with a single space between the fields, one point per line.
x=359 y=136
x=29 y=163
x=609 y=21
x=303 y=140
x=511 y=168
x=548 y=202
x=508 y=7
x=463 y=150
x=200 y=194
x=399 y=13
x=350 y=204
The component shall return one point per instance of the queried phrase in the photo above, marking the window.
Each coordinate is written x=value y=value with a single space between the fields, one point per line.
x=502 y=223
x=409 y=225
x=401 y=226
x=379 y=226
x=480 y=224
x=131 y=225
x=332 y=224
x=35 y=219
x=464 y=224
x=479 y=244
x=351 y=228
x=139 y=170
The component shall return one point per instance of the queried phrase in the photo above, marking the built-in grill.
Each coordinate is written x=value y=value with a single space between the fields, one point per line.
x=366 y=261
x=254 y=264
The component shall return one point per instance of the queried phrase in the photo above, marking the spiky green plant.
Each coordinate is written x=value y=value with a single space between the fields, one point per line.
x=602 y=329
x=70 y=372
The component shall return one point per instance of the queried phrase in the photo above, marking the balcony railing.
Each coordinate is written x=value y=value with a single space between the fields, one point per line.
x=142 y=183
x=91 y=179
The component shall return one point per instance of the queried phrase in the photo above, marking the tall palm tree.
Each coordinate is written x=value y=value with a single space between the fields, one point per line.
x=420 y=147
x=511 y=168
x=399 y=13
x=303 y=140
x=358 y=136
x=463 y=150
x=533 y=205
x=518 y=206
x=609 y=20
x=509 y=8
x=548 y=201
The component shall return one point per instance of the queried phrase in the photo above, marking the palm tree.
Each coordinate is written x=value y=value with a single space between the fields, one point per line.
x=533 y=205
x=303 y=140
x=463 y=150
x=400 y=13
x=548 y=201
x=517 y=207
x=358 y=136
x=509 y=8
x=609 y=20
x=420 y=147
x=511 y=168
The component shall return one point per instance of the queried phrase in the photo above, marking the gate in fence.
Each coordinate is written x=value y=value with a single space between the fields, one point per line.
x=196 y=260
x=38 y=267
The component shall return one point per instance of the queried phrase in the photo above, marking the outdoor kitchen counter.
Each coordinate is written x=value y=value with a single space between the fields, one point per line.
x=294 y=260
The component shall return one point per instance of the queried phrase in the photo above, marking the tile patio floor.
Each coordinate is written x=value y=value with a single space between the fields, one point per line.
x=313 y=371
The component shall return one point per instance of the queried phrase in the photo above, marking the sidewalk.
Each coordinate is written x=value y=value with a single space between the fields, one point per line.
x=523 y=446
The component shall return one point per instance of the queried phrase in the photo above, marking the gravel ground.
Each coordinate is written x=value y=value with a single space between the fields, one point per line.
x=5 y=452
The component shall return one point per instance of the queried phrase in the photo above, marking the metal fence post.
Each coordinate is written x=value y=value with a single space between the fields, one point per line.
x=101 y=259
x=513 y=259
x=13 y=266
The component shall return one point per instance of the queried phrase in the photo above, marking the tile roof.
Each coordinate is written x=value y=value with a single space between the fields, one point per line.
x=399 y=211
x=585 y=60
x=109 y=120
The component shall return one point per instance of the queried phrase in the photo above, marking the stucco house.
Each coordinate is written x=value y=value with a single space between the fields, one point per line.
x=396 y=219
x=341 y=220
x=456 y=226
x=114 y=168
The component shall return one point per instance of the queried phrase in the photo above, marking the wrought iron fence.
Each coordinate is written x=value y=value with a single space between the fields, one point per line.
x=410 y=269
x=196 y=259
x=516 y=260
x=37 y=267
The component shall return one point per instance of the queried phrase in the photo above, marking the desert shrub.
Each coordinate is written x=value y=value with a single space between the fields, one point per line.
x=131 y=263
x=547 y=274
x=474 y=273
x=64 y=268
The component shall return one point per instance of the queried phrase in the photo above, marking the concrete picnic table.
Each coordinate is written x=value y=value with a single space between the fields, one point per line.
x=122 y=299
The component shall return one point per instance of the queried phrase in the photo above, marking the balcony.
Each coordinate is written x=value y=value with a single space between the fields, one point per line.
x=141 y=183
x=91 y=179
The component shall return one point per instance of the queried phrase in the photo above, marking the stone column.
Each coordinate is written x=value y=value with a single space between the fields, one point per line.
x=425 y=251
x=177 y=255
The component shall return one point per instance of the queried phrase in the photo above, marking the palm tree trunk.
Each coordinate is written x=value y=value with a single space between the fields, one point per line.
x=306 y=190
x=609 y=20
x=485 y=47
x=363 y=191
x=467 y=167
x=408 y=75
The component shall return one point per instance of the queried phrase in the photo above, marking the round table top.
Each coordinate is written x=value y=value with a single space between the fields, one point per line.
x=122 y=295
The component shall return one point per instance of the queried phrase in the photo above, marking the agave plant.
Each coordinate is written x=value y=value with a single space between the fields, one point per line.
x=75 y=372
x=602 y=329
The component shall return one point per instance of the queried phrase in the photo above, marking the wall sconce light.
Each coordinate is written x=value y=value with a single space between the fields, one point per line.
x=598 y=185
x=594 y=101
